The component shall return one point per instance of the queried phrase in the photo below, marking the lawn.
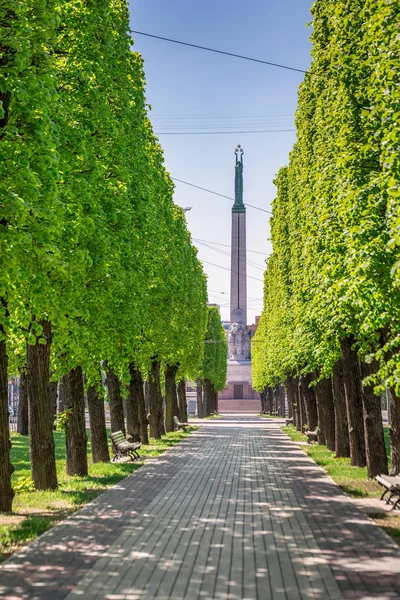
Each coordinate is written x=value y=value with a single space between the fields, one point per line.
x=36 y=511
x=264 y=416
x=353 y=480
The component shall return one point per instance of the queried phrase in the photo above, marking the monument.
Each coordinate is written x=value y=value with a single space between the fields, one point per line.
x=239 y=360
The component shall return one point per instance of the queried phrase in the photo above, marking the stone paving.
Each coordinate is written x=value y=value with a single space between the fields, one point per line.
x=236 y=511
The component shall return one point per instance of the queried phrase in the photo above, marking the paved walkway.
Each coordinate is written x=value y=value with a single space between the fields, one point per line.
x=234 y=512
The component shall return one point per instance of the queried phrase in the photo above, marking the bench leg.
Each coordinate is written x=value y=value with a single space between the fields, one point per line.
x=396 y=504
x=384 y=494
x=389 y=500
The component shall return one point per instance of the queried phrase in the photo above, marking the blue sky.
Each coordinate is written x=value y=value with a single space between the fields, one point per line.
x=193 y=90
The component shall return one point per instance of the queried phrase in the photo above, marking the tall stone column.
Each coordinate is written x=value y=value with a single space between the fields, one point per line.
x=239 y=341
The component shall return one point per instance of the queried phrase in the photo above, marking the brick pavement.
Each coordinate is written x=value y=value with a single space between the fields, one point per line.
x=234 y=512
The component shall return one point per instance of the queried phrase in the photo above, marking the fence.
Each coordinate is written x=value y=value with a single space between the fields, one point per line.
x=13 y=400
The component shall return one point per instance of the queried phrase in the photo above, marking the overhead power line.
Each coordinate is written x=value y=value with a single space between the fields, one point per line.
x=219 y=132
x=232 y=271
x=229 y=246
x=221 y=195
x=191 y=116
x=241 y=56
x=225 y=253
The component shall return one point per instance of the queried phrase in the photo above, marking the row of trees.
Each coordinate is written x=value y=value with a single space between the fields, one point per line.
x=213 y=373
x=98 y=270
x=330 y=328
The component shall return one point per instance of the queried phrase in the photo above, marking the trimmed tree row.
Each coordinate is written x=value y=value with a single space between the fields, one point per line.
x=99 y=277
x=330 y=328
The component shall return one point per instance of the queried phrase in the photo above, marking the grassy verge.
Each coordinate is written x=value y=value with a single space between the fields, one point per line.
x=36 y=511
x=270 y=416
x=353 y=480
x=213 y=416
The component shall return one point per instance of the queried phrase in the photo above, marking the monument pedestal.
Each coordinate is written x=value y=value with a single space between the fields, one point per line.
x=239 y=382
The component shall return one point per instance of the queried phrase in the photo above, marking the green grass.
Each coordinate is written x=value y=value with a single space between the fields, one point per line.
x=269 y=416
x=36 y=511
x=353 y=480
x=390 y=523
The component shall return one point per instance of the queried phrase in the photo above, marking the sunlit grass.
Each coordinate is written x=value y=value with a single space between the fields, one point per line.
x=36 y=511
x=264 y=416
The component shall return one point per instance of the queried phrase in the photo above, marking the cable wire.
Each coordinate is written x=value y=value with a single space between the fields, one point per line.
x=232 y=271
x=228 y=246
x=219 y=132
x=221 y=195
x=257 y=60
x=225 y=253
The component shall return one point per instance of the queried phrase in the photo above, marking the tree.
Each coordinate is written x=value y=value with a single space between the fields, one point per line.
x=215 y=361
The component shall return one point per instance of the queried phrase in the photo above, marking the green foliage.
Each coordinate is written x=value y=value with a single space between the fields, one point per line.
x=215 y=350
x=92 y=239
x=62 y=418
x=334 y=268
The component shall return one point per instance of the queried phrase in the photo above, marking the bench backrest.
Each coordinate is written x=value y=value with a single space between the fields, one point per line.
x=118 y=437
x=176 y=420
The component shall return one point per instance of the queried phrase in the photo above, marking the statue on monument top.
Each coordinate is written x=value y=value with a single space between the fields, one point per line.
x=239 y=206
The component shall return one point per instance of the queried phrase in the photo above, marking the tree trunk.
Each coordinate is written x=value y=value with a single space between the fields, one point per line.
x=22 y=424
x=289 y=400
x=132 y=407
x=155 y=398
x=199 y=397
x=6 y=468
x=263 y=401
x=375 y=451
x=53 y=400
x=342 y=444
x=207 y=398
x=275 y=400
x=302 y=407
x=309 y=401
x=97 y=422
x=138 y=392
x=171 y=398
x=394 y=433
x=75 y=431
x=291 y=396
x=353 y=395
x=42 y=447
x=117 y=420
x=282 y=402
x=147 y=397
x=61 y=397
x=321 y=414
x=183 y=413
x=270 y=404
x=296 y=405
x=214 y=400
x=325 y=395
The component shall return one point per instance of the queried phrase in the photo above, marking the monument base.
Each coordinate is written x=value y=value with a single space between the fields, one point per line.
x=239 y=382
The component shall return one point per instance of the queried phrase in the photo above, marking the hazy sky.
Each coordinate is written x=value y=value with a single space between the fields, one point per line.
x=191 y=90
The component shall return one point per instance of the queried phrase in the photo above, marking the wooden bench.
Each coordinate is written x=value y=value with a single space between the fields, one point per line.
x=179 y=425
x=391 y=483
x=123 y=447
x=312 y=436
x=289 y=421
